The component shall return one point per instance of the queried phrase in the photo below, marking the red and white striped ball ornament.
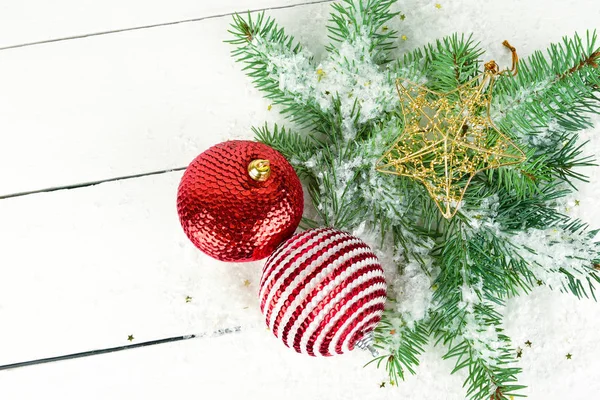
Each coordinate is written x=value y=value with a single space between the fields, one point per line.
x=323 y=292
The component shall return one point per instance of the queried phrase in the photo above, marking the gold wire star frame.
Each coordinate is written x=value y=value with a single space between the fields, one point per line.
x=449 y=137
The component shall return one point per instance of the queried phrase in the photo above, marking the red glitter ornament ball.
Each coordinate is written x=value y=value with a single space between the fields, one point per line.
x=239 y=200
x=323 y=292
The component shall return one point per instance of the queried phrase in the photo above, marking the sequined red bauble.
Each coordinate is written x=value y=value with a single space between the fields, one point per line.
x=231 y=216
x=322 y=291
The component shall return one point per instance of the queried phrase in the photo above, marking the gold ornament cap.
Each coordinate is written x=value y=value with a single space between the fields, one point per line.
x=259 y=170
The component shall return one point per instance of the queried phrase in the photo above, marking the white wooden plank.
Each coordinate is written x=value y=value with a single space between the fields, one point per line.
x=117 y=105
x=28 y=21
x=83 y=269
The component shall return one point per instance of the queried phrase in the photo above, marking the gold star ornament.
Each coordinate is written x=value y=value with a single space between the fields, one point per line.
x=448 y=138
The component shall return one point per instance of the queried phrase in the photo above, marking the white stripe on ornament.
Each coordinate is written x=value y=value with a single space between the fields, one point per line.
x=318 y=320
x=354 y=317
x=290 y=266
x=278 y=266
x=301 y=277
x=341 y=312
x=350 y=298
x=310 y=286
x=367 y=276
x=333 y=268
x=274 y=258
x=344 y=310
x=352 y=320
x=275 y=264
x=364 y=274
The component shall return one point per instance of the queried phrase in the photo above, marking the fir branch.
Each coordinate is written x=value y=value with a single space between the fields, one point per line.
x=565 y=161
x=353 y=19
x=402 y=343
x=503 y=277
x=563 y=88
x=258 y=41
x=524 y=181
x=466 y=320
x=513 y=211
x=563 y=256
x=491 y=374
x=459 y=52
x=450 y=62
x=523 y=241
x=587 y=61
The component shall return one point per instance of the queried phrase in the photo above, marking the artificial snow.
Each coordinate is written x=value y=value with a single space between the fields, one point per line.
x=348 y=73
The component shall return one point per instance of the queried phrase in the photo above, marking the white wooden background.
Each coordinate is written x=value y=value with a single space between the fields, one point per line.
x=122 y=92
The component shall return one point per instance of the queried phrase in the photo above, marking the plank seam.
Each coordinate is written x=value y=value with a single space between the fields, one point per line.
x=92 y=183
x=135 y=28
x=72 y=356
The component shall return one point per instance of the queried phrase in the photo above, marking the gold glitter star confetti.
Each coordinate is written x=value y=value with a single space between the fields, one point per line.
x=246 y=282
x=188 y=299
x=528 y=343
x=382 y=385
x=569 y=356
x=402 y=17
x=577 y=202
x=438 y=6
x=130 y=338
x=404 y=37
x=320 y=74
x=448 y=138
x=519 y=352
x=269 y=107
